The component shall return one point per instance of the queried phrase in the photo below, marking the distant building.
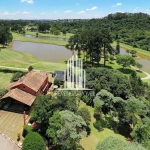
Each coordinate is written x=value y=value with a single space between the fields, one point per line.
x=24 y=91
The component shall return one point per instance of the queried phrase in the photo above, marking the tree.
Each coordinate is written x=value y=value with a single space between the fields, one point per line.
x=33 y=141
x=55 y=124
x=30 y=68
x=43 y=110
x=73 y=129
x=117 y=144
x=133 y=110
x=111 y=143
x=17 y=75
x=45 y=107
x=141 y=132
x=118 y=47
x=139 y=66
x=3 y=92
x=106 y=41
x=37 y=34
x=57 y=32
x=125 y=60
x=104 y=99
x=85 y=114
x=27 y=129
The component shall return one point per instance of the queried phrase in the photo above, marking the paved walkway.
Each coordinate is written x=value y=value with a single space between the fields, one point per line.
x=148 y=75
x=7 y=144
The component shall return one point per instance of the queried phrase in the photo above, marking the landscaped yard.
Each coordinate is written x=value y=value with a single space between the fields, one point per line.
x=90 y=142
x=11 y=124
x=5 y=79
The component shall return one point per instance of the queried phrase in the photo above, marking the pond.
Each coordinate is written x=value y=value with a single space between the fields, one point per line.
x=45 y=52
x=46 y=37
x=144 y=62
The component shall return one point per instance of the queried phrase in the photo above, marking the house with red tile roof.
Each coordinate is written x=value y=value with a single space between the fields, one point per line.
x=24 y=91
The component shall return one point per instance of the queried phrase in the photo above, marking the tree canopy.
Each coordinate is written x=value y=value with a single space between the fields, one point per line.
x=33 y=141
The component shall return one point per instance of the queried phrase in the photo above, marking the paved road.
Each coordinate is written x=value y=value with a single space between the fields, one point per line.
x=7 y=144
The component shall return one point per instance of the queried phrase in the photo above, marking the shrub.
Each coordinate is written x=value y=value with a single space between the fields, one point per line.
x=85 y=114
x=33 y=141
x=30 y=68
x=100 y=124
x=3 y=92
x=17 y=75
x=27 y=129
x=57 y=82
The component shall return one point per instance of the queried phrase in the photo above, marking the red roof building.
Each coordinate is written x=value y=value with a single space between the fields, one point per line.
x=27 y=88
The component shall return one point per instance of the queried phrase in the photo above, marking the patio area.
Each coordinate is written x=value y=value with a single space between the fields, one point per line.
x=11 y=124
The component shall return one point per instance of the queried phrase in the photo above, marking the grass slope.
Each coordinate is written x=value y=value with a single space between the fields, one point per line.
x=90 y=142
x=22 y=60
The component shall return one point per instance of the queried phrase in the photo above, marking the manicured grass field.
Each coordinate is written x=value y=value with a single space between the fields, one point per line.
x=19 y=37
x=90 y=142
x=11 y=124
x=5 y=79
x=22 y=60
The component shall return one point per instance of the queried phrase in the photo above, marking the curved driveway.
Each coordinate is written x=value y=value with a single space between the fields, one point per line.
x=7 y=144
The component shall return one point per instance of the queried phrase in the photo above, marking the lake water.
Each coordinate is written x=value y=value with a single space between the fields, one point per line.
x=55 y=53
x=45 y=52
x=144 y=62
x=46 y=37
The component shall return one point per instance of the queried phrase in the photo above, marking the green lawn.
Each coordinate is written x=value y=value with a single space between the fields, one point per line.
x=90 y=142
x=5 y=79
x=12 y=58
x=68 y=35
x=19 y=37
x=114 y=65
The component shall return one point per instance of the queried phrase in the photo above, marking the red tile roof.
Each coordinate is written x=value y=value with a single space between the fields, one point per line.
x=33 y=80
x=20 y=96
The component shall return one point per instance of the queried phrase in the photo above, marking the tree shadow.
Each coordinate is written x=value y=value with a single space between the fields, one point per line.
x=126 y=71
x=88 y=130
x=123 y=129
x=139 y=71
